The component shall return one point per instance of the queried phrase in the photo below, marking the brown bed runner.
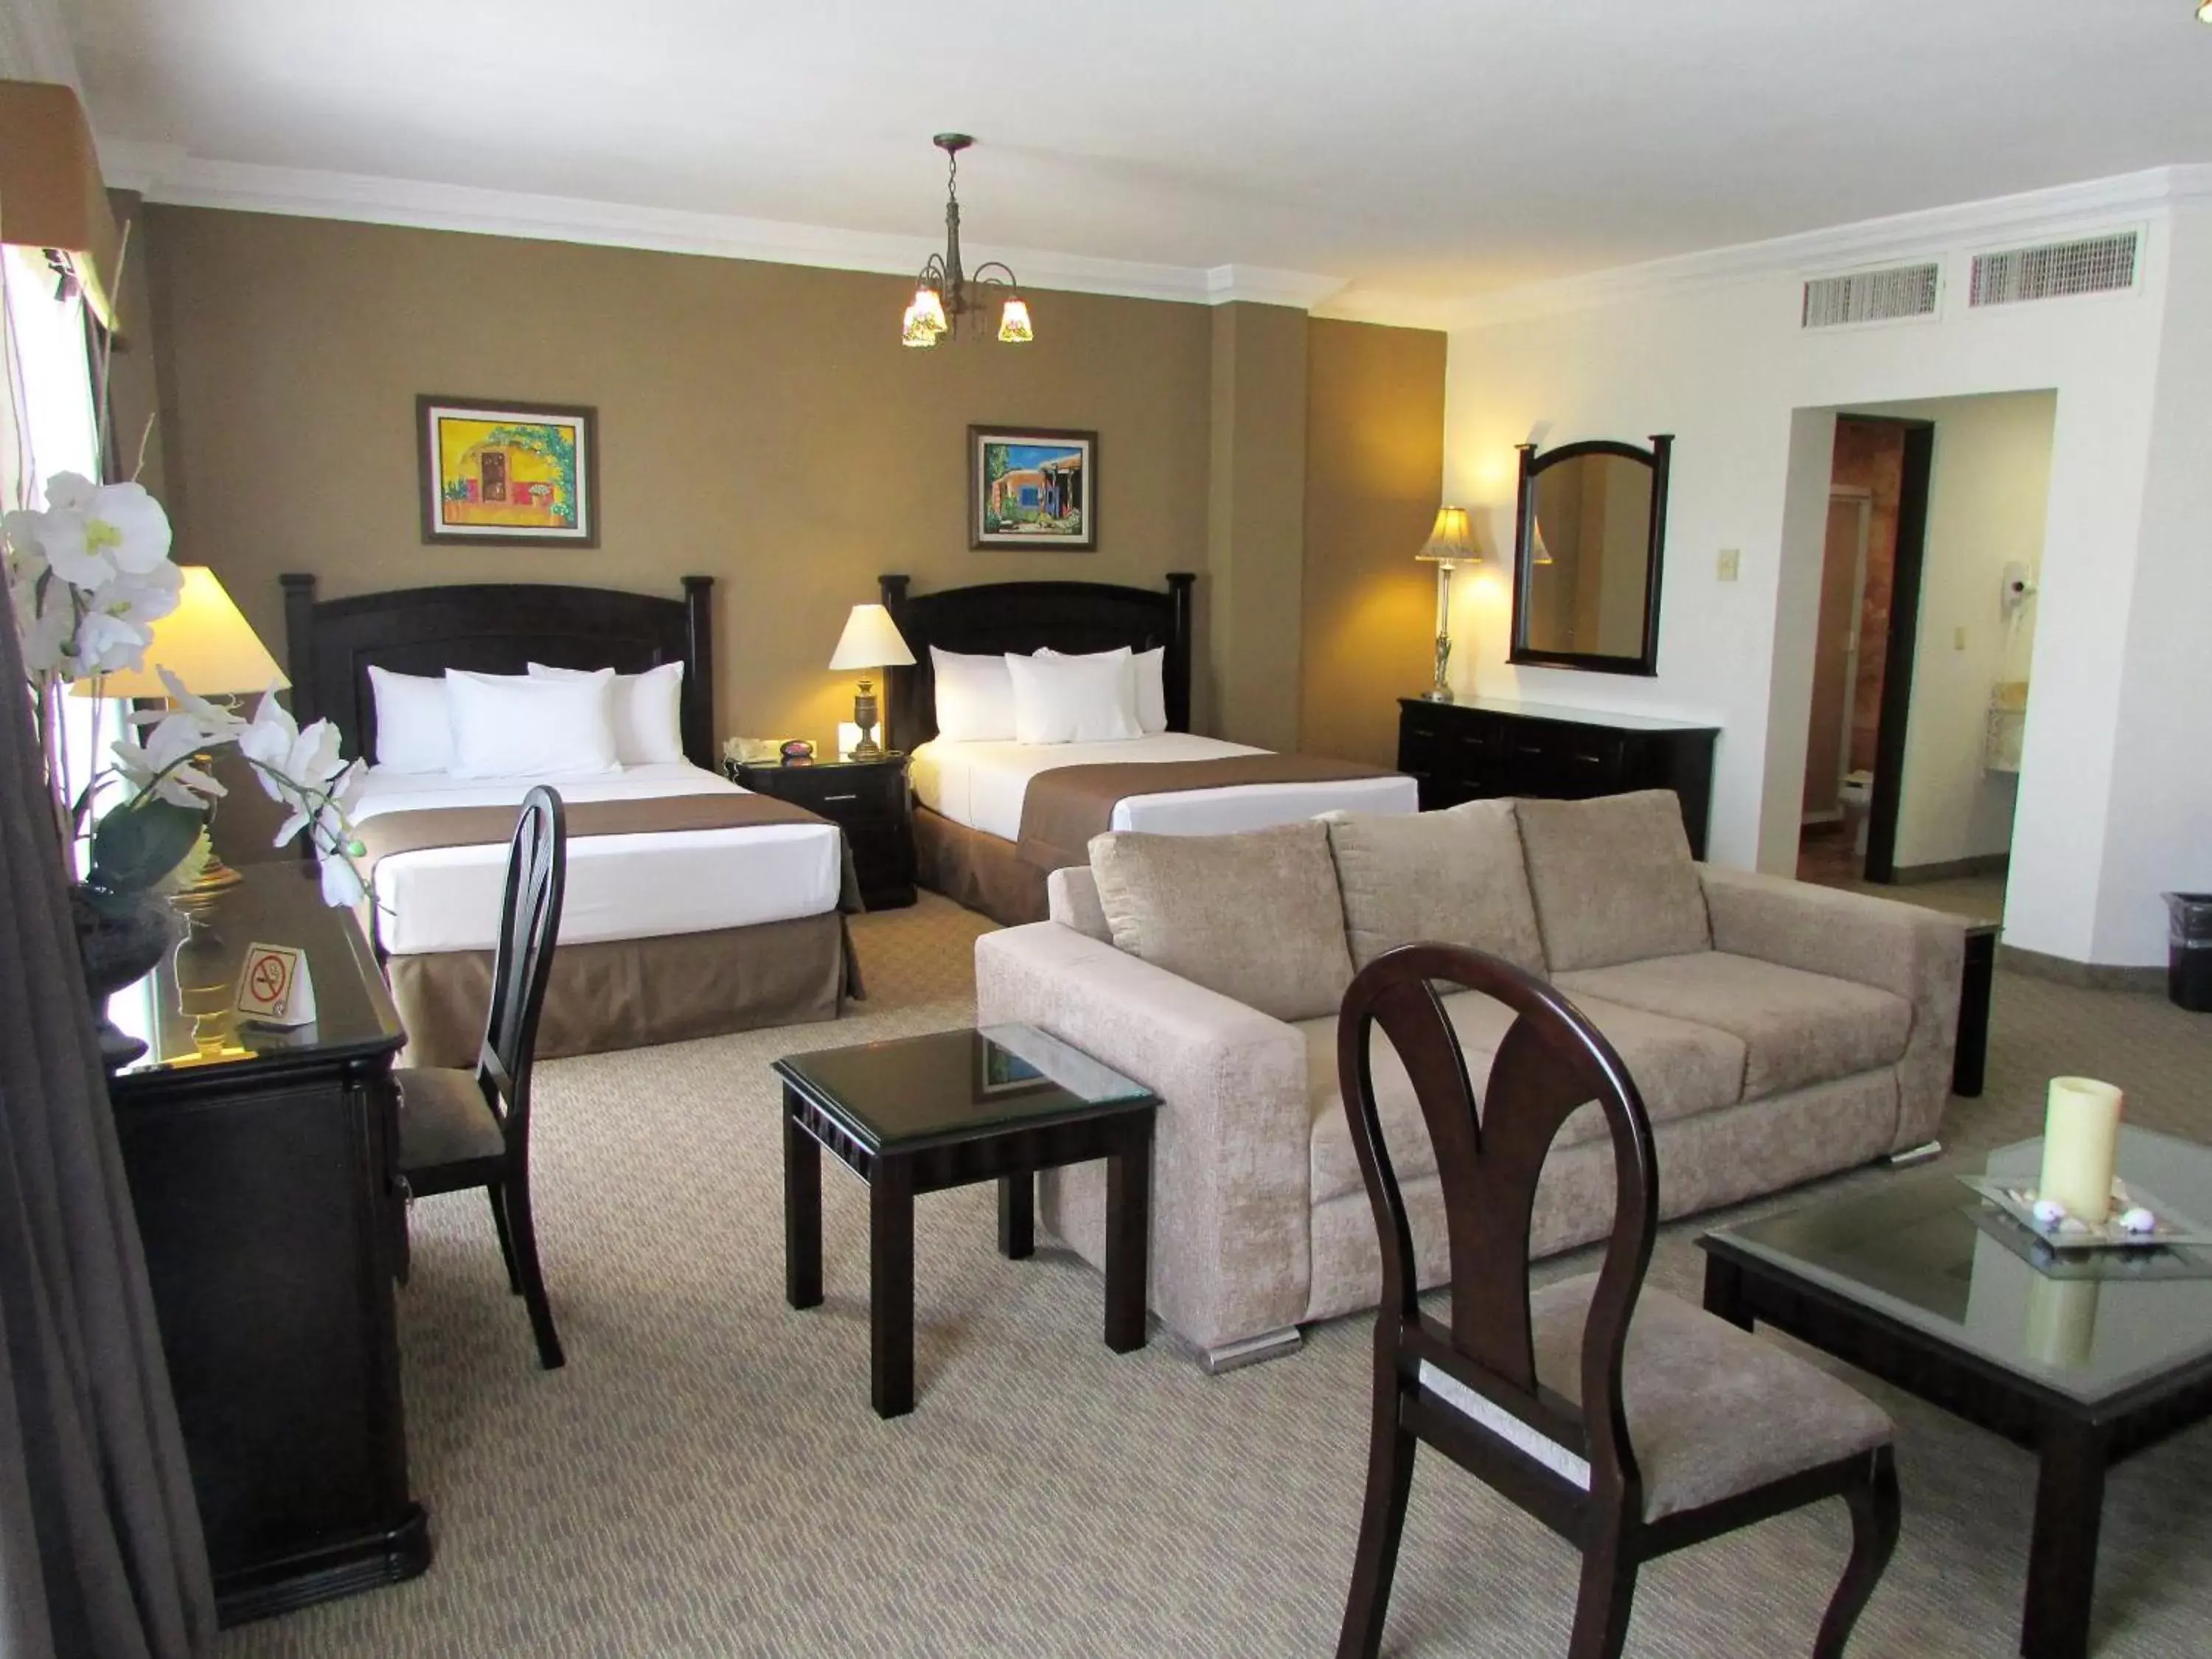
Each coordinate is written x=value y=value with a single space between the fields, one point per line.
x=389 y=834
x=1062 y=808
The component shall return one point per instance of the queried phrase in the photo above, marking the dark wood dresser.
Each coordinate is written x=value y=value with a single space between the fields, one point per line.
x=868 y=800
x=1461 y=751
x=262 y=1168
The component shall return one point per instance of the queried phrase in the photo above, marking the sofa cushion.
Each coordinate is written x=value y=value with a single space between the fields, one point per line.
x=1681 y=1068
x=1797 y=1027
x=1454 y=876
x=1255 y=916
x=1613 y=880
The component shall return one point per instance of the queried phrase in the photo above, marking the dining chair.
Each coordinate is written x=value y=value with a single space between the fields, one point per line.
x=465 y=1127
x=1630 y=1422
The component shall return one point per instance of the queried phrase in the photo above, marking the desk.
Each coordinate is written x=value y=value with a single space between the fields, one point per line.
x=261 y=1168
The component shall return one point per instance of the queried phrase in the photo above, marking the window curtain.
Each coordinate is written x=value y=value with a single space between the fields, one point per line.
x=100 y=1550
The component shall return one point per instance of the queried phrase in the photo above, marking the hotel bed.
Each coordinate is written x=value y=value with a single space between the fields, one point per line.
x=986 y=832
x=693 y=908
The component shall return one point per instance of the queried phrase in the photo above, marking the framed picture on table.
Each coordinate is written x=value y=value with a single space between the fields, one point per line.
x=505 y=473
x=1032 y=487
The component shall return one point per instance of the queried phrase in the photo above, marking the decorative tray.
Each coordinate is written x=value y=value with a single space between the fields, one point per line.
x=2168 y=1225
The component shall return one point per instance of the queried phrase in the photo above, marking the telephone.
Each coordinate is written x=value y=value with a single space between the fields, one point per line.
x=753 y=751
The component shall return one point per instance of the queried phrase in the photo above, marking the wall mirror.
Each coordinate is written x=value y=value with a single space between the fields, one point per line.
x=1590 y=520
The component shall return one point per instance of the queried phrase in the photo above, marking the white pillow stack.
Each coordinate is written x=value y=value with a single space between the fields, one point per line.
x=1102 y=697
x=647 y=710
x=549 y=723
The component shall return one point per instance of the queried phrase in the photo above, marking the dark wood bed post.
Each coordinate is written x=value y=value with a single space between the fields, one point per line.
x=300 y=643
x=699 y=681
x=1177 y=682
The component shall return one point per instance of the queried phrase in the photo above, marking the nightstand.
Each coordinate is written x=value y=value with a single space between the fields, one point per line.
x=866 y=798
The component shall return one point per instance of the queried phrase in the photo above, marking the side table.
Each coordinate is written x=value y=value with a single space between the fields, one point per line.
x=868 y=800
x=920 y=1115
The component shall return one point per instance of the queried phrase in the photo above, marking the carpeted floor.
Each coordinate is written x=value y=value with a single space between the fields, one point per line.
x=706 y=1477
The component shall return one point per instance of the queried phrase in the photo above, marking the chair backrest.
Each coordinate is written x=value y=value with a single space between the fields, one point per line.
x=1489 y=1158
x=529 y=928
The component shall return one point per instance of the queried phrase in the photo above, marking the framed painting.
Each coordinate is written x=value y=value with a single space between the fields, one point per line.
x=1032 y=487
x=510 y=474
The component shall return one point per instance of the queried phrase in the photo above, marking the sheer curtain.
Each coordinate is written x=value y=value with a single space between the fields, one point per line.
x=101 y=1549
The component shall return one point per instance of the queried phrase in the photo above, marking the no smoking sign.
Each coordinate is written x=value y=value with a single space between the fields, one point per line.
x=274 y=986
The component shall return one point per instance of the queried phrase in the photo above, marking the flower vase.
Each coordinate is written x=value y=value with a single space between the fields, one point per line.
x=119 y=941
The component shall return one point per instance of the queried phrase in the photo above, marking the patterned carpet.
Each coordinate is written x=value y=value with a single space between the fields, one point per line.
x=706 y=1477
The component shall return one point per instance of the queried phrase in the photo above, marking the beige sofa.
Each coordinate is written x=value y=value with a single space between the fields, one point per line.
x=1777 y=1030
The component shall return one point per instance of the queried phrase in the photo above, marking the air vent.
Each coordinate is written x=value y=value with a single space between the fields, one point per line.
x=1870 y=297
x=2096 y=265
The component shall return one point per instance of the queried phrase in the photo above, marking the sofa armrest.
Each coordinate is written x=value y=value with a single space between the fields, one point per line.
x=1231 y=1197
x=1917 y=953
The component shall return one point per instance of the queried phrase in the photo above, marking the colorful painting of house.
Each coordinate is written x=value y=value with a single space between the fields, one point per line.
x=1034 y=489
x=517 y=473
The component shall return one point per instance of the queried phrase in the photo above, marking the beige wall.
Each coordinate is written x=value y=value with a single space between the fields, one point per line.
x=758 y=422
x=1375 y=408
x=1256 y=522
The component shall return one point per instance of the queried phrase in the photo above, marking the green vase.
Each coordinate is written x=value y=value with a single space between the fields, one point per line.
x=119 y=938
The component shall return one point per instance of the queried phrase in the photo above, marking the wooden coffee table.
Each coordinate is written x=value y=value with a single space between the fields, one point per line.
x=1922 y=1284
x=919 y=1115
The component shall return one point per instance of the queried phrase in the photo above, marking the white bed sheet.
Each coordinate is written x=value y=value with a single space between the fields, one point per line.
x=644 y=886
x=981 y=785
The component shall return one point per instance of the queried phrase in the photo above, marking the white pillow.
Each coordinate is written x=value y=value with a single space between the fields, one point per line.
x=975 y=697
x=414 y=722
x=510 y=725
x=1074 y=699
x=647 y=710
x=1152 y=668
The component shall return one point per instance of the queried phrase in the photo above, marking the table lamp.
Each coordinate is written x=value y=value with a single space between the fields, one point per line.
x=209 y=645
x=1450 y=545
x=871 y=642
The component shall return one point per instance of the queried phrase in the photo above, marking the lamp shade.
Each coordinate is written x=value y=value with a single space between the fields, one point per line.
x=1451 y=540
x=871 y=640
x=204 y=643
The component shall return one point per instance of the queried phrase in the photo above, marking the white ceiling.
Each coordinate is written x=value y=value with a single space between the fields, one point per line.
x=1417 y=147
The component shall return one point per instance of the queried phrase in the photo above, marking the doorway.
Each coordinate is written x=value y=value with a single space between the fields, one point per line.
x=1925 y=635
x=1863 y=649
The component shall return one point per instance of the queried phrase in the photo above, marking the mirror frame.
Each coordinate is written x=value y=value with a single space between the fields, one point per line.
x=1532 y=465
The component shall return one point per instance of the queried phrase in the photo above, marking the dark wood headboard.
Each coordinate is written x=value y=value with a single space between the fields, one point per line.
x=492 y=629
x=1022 y=617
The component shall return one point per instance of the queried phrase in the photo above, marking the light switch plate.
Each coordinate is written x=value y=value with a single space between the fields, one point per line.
x=1730 y=563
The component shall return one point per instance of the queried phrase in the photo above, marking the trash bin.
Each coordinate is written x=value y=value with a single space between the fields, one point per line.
x=2188 y=950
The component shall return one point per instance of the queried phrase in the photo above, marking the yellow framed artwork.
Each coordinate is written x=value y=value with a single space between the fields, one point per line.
x=508 y=473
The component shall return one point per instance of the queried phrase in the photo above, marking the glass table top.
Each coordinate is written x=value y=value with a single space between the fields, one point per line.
x=1916 y=1251
x=949 y=1084
x=184 y=1009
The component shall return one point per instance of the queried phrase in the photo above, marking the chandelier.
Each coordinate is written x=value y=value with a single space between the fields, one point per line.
x=944 y=294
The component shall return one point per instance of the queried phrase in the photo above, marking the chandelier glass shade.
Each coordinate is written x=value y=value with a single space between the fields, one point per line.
x=944 y=293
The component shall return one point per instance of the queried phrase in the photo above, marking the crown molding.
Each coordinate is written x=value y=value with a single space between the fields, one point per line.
x=34 y=44
x=165 y=173
x=1261 y=285
x=1996 y=221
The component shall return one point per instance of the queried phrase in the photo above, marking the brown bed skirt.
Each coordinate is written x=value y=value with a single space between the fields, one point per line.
x=626 y=993
x=982 y=871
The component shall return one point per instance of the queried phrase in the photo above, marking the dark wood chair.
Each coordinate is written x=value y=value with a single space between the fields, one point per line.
x=1631 y=1423
x=465 y=1128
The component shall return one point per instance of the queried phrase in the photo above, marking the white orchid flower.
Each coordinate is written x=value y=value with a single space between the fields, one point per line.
x=91 y=535
x=71 y=492
x=163 y=762
x=104 y=644
x=220 y=724
x=342 y=883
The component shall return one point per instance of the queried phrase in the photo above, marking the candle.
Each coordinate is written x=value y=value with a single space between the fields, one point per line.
x=2080 y=1135
x=2062 y=1321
